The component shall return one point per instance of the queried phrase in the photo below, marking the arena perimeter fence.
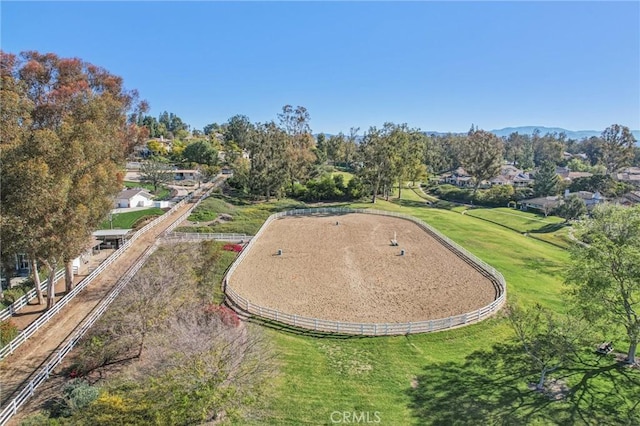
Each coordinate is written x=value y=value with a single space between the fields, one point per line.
x=245 y=306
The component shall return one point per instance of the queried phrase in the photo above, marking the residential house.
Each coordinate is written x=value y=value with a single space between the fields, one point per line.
x=591 y=199
x=186 y=174
x=567 y=175
x=136 y=197
x=543 y=204
x=630 y=175
x=23 y=267
x=509 y=175
x=629 y=199
x=522 y=180
x=547 y=204
x=458 y=177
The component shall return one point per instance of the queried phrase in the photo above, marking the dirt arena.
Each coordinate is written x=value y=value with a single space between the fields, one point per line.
x=350 y=272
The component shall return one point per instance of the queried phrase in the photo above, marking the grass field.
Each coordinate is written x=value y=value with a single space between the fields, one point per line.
x=129 y=219
x=473 y=375
x=247 y=217
x=550 y=229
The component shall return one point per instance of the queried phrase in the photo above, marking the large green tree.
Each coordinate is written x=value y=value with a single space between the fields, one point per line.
x=617 y=147
x=201 y=152
x=294 y=122
x=548 y=340
x=268 y=170
x=67 y=136
x=376 y=155
x=546 y=180
x=481 y=156
x=572 y=208
x=604 y=275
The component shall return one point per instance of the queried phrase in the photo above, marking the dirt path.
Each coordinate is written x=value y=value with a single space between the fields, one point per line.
x=16 y=369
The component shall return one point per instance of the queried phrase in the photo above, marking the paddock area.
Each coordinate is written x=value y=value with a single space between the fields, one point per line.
x=343 y=267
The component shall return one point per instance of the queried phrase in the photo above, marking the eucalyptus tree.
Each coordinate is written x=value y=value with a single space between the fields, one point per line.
x=376 y=155
x=294 y=122
x=481 y=156
x=617 y=147
x=62 y=153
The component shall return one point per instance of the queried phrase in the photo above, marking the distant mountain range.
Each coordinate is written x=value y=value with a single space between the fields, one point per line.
x=528 y=130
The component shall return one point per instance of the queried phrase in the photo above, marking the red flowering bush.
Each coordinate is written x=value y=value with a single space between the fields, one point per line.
x=227 y=315
x=232 y=247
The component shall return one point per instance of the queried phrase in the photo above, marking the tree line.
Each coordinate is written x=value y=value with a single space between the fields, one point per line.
x=282 y=157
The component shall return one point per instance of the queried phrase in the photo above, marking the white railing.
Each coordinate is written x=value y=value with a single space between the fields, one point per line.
x=370 y=329
x=26 y=298
x=43 y=374
x=189 y=236
x=43 y=319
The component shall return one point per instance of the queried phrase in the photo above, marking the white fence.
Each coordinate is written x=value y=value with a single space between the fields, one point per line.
x=26 y=298
x=37 y=324
x=196 y=236
x=43 y=374
x=369 y=329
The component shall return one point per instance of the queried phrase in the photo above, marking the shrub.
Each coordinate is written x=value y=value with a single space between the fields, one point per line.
x=8 y=332
x=227 y=315
x=76 y=395
x=232 y=247
x=453 y=193
x=39 y=419
x=16 y=292
x=498 y=195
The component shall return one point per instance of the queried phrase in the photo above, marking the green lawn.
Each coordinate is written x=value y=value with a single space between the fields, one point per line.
x=129 y=219
x=473 y=375
x=162 y=194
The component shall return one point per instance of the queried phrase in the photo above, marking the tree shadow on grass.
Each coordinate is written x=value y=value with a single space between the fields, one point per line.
x=551 y=227
x=491 y=387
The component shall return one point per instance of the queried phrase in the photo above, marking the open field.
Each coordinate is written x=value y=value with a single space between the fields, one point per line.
x=472 y=375
x=129 y=219
x=350 y=272
x=551 y=229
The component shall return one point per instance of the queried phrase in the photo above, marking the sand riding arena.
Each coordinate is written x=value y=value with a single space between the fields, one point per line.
x=360 y=272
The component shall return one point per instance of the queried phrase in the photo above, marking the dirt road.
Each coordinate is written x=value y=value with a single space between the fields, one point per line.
x=16 y=369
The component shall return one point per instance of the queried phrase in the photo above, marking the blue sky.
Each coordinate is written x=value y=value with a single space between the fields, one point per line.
x=437 y=66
